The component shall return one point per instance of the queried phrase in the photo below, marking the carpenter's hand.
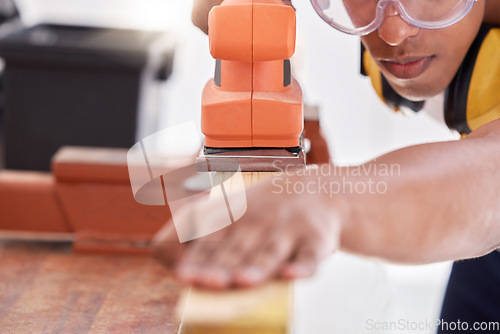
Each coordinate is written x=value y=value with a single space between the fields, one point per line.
x=201 y=8
x=281 y=235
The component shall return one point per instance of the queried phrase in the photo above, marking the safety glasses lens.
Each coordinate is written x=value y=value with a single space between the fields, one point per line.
x=432 y=10
x=354 y=15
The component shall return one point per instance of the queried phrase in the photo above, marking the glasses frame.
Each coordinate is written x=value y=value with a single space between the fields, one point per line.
x=379 y=18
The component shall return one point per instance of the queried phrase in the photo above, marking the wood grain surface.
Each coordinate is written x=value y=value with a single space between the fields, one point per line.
x=45 y=288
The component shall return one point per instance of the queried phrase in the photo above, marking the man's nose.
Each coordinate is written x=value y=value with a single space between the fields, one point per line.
x=394 y=30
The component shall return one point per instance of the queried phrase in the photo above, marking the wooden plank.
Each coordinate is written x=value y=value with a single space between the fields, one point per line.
x=265 y=310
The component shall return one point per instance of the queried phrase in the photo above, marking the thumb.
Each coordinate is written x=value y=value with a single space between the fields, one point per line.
x=166 y=246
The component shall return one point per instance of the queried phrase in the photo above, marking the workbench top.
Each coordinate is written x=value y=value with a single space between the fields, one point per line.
x=46 y=288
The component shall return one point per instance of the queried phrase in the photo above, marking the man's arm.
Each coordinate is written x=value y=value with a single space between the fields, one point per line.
x=444 y=205
x=201 y=8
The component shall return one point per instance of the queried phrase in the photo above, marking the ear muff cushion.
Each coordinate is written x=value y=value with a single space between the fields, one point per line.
x=457 y=93
x=370 y=69
x=483 y=104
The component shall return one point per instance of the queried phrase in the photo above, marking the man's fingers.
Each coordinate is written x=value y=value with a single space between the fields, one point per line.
x=243 y=239
x=305 y=262
x=211 y=261
x=199 y=255
x=194 y=259
x=266 y=261
x=240 y=241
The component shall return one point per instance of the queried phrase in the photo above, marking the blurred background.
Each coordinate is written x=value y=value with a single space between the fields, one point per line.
x=166 y=51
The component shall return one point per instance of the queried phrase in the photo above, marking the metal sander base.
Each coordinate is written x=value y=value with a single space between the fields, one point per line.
x=250 y=159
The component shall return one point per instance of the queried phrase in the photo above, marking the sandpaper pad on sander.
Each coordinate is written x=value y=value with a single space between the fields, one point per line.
x=251 y=159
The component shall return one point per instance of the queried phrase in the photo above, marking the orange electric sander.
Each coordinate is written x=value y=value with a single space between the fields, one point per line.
x=252 y=110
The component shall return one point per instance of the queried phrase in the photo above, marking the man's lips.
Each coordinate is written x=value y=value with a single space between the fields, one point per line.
x=407 y=68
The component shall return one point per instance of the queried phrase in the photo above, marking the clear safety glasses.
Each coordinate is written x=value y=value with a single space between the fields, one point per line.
x=361 y=17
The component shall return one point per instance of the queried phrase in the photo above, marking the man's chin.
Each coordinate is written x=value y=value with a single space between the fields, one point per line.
x=417 y=93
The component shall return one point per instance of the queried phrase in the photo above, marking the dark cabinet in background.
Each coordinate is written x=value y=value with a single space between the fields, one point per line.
x=83 y=86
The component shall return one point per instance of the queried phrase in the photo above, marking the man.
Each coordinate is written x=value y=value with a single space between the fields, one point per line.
x=444 y=204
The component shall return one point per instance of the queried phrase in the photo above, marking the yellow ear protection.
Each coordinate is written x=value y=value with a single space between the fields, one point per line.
x=473 y=97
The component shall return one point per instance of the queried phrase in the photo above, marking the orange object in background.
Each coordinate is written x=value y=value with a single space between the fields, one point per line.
x=253 y=101
x=28 y=202
x=87 y=197
x=94 y=191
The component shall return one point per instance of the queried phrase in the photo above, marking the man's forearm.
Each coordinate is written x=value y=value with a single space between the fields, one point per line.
x=443 y=204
